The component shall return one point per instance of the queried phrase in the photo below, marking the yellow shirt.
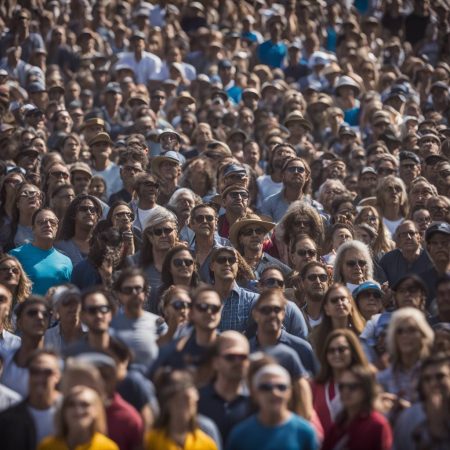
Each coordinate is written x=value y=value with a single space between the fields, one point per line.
x=98 y=442
x=158 y=440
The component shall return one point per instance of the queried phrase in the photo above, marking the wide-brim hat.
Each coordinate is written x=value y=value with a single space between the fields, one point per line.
x=100 y=137
x=250 y=219
x=297 y=116
x=170 y=156
x=345 y=80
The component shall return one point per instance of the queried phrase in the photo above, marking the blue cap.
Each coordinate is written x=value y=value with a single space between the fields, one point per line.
x=380 y=327
x=367 y=286
x=437 y=227
x=36 y=86
x=225 y=64
x=235 y=169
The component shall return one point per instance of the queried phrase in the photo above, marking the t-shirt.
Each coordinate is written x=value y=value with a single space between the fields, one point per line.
x=13 y=376
x=71 y=250
x=266 y=188
x=272 y=54
x=392 y=225
x=43 y=421
x=197 y=440
x=98 y=442
x=294 y=434
x=45 y=268
x=111 y=175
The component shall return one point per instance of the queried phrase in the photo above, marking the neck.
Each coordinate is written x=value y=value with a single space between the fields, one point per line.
x=169 y=185
x=178 y=427
x=408 y=360
x=223 y=288
x=146 y=203
x=205 y=338
x=70 y=330
x=268 y=339
x=204 y=243
x=253 y=256
x=273 y=419
x=133 y=313
x=276 y=176
x=337 y=373
x=231 y=217
x=42 y=400
x=25 y=218
x=292 y=194
x=158 y=258
x=43 y=244
x=411 y=255
x=78 y=436
x=313 y=308
x=101 y=163
x=339 y=322
x=392 y=212
x=99 y=341
x=352 y=412
x=183 y=281
x=82 y=234
x=226 y=388
x=28 y=346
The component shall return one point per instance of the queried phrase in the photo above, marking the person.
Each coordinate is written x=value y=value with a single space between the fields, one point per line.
x=358 y=420
x=226 y=399
x=8 y=340
x=120 y=217
x=368 y=298
x=176 y=424
x=341 y=351
x=167 y=170
x=44 y=265
x=27 y=423
x=302 y=250
x=273 y=51
x=411 y=291
x=8 y=397
x=137 y=328
x=442 y=304
x=80 y=421
x=235 y=202
x=338 y=234
x=181 y=202
x=273 y=425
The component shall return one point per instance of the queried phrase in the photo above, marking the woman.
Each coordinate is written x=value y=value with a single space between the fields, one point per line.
x=179 y=268
x=409 y=340
x=28 y=200
x=339 y=234
x=176 y=425
x=422 y=218
x=353 y=264
x=159 y=236
x=121 y=217
x=329 y=190
x=342 y=210
x=75 y=232
x=7 y=197
x=71 y=148
x=80 y=423
x=338 y=311
x=174 y=307
x=410 y=291
x=198 y=175
x=392 y=202
x=341 y=351
x=358 y=425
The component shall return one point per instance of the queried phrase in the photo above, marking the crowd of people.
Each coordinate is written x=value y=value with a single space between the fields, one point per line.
x=225 y=225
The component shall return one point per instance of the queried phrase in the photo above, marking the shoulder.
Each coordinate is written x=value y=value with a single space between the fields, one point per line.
x=101 y=442
x=201 y=438
x=53 y=443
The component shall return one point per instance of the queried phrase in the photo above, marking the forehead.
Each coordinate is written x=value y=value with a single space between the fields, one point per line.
x=96 y=298
x=273 y=298
x=272 y=273
x=205 y=210
x=353 y=253
x=137 y=279
x=305 y=243
x=45 y=360
x=211 y=296
x=225 y=253
x=46 y=213
x=121 y=208
x=338 y=292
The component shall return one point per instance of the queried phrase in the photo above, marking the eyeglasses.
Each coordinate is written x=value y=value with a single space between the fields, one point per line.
x=295 y=169
x=270 y=387
x=59 y=174
x=272 y=282
x=128 y=290
x=14 y=270
x=178 y=305
x=341 y=349
x=52 y=222
x=268 y=310
x=252 y=231
x=336 y=300
x=409 y=290
x=303 y=223
x=78 y=404
x=38 y=371
x=161 y=231
x=150 y=184
x=206 y=307
x=322 y=277
x=356 y=262
x=124 y=214
x=87 y=209
x=226 y=260
x=35 y=313
x=234 y=357
x=423 y=220
x=179 y=262
x=29 y=194
x=236 y=195
x=201 y=218
x=386 y=171
x=406 y=330
x=131 y=169
x=93 y=310
x=405 y=234
x=352 y=387
x=310 y=253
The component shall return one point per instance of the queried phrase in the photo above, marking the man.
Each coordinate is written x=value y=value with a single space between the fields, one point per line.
x=269 y=313
x=273 y=51
x=80 y=177
x=8 y=340
x=437 y=244
x=170 y=140
x=408 y=257
x=367 y=183
x=193 y=350
x=137 y=328
x=442 y=300
x=112 y=111
x=296 y=178
x=33 y=316
x=167 y=169
x=101 y=150
x=24 y=425
x=92 y=127
x=274 y=426
x=44 y=265
x=226 y=400
x=315 y=282
x=248 y=236
x=429 y=144
x=235 y=201
x=410 y=167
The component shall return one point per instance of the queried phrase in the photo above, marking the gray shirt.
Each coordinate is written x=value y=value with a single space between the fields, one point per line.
x=71 y=250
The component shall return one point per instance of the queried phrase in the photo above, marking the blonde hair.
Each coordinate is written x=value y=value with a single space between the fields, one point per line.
x=340 y=255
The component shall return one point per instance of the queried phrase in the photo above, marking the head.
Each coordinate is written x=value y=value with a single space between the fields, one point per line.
x=182 y=202
x=146 y=186
x=338 y=303
x=353 y=263
x=120 y=216
x=45 y=226
x=437 y=246
x=106 y=246
x=271 y=278
x=206 y=309
x=203 y=220
x=44 y=373
x=302 y=250
x=434 y=377
x=296 y=174
x=328 y=191
x=33 y=317
x=368 y=297
x=13 y=277
x=132 y=288
x=410 y=291
x=179 y=266
x=269 y=311
x=235 y=200
x=315 y=280
x=407 y=237
x=392 y=191
x=175 y=305
x=97 y=309
x=419 y=192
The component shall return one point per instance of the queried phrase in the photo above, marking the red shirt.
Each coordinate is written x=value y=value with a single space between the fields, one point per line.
x=366 y=431
x=125 y=426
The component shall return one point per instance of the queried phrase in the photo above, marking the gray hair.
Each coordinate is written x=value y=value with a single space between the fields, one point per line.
x=178 y=193
x=339 y=261
x=160 y=215
x=270 y=369
x=326 y=183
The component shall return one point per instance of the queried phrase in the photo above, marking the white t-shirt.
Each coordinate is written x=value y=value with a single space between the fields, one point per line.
x=111 y=175
x=15 y=377
x=43 y=421
x=392 y=225
x=266 y=188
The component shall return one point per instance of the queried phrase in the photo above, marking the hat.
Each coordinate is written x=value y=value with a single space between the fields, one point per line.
x=437 y=227
x=333 y=67
x=100 y=137
x=274 y=19
x=409 y=155
x=235 y=169
x=368 y=170
x=186 y=96
x=322 y=99
x=92 y=122
x=36 y=86
x=232 y=188
x=380 y=327
x=80 y=167
x=27 y=150
x=169 y=156
x=113 y=87
x=62 y=292
x=318 y=58
x=250 y=219
x=123 y=66
x=197 y=5
x=169 y=131
x=225 y=64
x=439 y=85
x=237 y=131
x=312 y=85
x=390 y=136
x=251 y=91
x=430 y=136
x=138 y=97
x=297 y=116
x=345 y=80
x=219 y=148
x=365 y=287
x=137 y=35
x=345 y=129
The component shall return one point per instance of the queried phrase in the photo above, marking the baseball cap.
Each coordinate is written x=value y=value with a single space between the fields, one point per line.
x=437 y=227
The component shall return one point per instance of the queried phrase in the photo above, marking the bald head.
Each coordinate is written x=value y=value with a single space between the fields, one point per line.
x=232 y=342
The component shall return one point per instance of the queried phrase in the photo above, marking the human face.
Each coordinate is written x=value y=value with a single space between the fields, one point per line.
x=331 y=191
x=369 y=303
x=80 y=411
x=386 y=168
x=9 y=274
x=438 y=248
x=272 y=278
x=34 y=321
x=169 y=170
x=45 y=226
x=368 y=184
x=408 y=337
x=371 y=218
x=148 y=189
x=97 y=188
x=129 y=172
x=177 y=310
x=305 y=251
x=44 y=375
x=338 y=304
x=354 y=267
x=225 y=266
x=392 y=194
x=409 y=170
x=86 y=214
x=351 y=392
x=409 y=293
x=269 y=314
x=443 y=299
x=163 y=236
x=63 y=199
x=71 y=150
x=340 y=236
x=11 y=182
x=422 y=220
x=184 y=402
x=252 y=237
x=439 y=211
x=295 y=175
x=69 y=309
x=436 y=380
x=96 y=313
x=101 y=150
x=206 y=311
x=57 y=176
x=232 y=361
x=204 y=222
x=182 y=265
x=5 y=303
x=30 y=198
x=339 y=353
x=408 y=238
x=122 y=218
x=273 y=394
x=419 y=194
x=132 y=294
x=184 y=205
x=281 y=154
x=80 y=181
x=316 y=283
x=237 y=202
x=303 y=224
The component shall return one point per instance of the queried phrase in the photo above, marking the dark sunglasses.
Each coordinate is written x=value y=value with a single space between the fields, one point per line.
x=36 y=312
x=252 y=231
x=161 y=231
x=340 y=349
x=236 y=195
x=128 y=290
x=226 y=260
x=201 y=218
x=233 y=357
x=310 y=253
x=93 y=310
x=178 y=305
x=317 y=276
x=267 y=310
x=64 y=175
x=87 y=209
x=272 y=282
x=37 y=371
x=206 y=307
x=179 y=262
x=150 y=184
x=295 y=169
x=356 y=262
x=14 y=270
x=123 y=214
x=270 y=387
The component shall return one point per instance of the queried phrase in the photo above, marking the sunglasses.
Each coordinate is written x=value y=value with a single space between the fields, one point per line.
x=352 y=387
x=252 y=231
x=206 y=307
x=149 y=184
x=270 y=387
x=310 y=253
x=87 y=209
x=409 y=290
x=226 y=260
x=295 y=169
x=201 y=218
x=336 y=300
x=179 y=262
x=161 y=231
x=124 y=214
x=37 y=371
x=272 y=282
x=59 y=174
x=178 y=305
x=29 y=194
x=14 y=270
x=236 y=195
x=440 y=376
x=374 y=294
x=52 y=222
x=323 y=277
x=356 y=262
x=93 y=310
x=303 y=223
x=233 y=357
x=268 y=310
x=340 y=350
x=35 y=312
x=128 y=290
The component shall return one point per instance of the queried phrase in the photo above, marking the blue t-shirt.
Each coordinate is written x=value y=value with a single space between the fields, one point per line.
x=45 y=268
x=272 y=54
x=294 y=434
